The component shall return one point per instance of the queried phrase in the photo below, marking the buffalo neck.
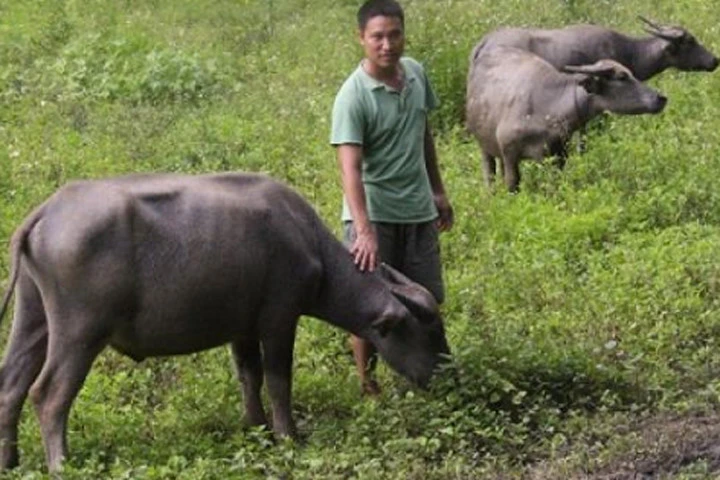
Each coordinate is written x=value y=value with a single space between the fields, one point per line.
x=348 y=298
x=644 y=57
x=571 y=108
x=582 y=106
x=594 y=105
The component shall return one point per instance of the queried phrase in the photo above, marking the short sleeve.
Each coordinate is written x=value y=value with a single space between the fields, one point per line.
x=347 y=118
x=431 y=99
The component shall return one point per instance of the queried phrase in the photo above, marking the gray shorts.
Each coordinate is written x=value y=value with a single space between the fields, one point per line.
x=411 y=248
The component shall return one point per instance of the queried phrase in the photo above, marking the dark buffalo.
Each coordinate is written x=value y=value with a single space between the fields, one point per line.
x=166 y=265
x=666 y=47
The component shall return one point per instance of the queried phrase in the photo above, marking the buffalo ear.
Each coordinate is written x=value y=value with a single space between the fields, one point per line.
x=672 y=47
x=602 y=68
x=415 y=297
x=419 y=301
x=590 y=77
x=591 y=84
x=385 y=324
x=393 y=276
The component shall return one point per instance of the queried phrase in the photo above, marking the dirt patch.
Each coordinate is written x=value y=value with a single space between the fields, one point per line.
x=667 y=445
x=657 y=448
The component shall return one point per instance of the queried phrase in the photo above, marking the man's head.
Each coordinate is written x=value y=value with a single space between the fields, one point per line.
x=375 y=8
x=381 y=25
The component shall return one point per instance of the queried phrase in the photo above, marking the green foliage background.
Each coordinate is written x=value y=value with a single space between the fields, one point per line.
x=588 y=300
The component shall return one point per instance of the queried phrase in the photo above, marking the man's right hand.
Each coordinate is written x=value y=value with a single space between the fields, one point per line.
x=365 y=249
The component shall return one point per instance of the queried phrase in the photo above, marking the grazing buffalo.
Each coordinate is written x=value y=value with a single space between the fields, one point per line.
x=667 y=47
x=166 y=264
x=519 y=106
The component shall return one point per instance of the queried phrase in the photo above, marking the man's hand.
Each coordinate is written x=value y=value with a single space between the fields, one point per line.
x=365 y=249
x=446 y=216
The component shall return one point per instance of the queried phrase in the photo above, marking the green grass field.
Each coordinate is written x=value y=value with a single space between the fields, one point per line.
x=583 y=313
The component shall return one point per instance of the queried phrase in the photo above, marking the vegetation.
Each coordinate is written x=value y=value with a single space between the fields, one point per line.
x=583 y=312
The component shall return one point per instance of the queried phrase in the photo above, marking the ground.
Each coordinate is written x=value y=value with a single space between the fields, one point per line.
x=661 y=447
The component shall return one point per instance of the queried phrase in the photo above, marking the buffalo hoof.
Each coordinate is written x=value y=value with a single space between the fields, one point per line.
x=9 y=458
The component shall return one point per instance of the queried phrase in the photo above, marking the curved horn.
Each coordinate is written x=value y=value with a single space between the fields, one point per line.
x=662 y=31
x=650 y=23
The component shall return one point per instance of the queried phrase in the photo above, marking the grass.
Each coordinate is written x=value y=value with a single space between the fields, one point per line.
x=577 y=309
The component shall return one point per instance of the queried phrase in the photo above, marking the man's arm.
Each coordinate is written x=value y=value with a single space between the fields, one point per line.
x=445 y=211
x=365 y=247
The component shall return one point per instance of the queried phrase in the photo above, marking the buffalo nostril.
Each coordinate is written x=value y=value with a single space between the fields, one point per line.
x=715 y=63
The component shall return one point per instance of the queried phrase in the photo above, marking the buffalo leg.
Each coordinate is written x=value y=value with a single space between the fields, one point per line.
x=21 y=365
x=582 y=140
x=560 y=153
x=277 y=362
x=248 y=363
x=69 y=358
x=488 y=167
x=512 y=173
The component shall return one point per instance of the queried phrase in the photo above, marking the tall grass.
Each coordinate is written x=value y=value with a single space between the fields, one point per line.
x=589 y=299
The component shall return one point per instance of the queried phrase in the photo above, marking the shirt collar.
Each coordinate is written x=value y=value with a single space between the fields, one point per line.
x=373 y=84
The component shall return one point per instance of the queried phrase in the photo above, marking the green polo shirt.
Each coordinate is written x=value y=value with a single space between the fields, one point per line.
x=390 y=126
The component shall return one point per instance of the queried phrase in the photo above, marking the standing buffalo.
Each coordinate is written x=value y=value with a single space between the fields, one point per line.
x=667 y=47
x=164 y=265
x=519 y=106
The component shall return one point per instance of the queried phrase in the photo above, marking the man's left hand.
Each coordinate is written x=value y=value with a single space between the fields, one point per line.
x=445 y=213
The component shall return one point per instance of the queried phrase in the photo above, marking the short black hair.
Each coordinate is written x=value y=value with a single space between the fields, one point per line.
x=375 y=8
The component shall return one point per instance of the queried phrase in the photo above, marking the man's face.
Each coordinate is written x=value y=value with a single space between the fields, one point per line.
x=383 y=40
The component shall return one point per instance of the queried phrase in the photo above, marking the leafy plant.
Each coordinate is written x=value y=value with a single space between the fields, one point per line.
x=575 y=309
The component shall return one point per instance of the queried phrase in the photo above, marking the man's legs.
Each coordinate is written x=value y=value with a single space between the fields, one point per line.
x=414 y=250
x=420 y=260
x=364 y=352
x=365 y=357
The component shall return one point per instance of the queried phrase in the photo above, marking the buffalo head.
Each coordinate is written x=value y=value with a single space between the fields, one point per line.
x=615 y=89
x=410 y=336
x=682 y=51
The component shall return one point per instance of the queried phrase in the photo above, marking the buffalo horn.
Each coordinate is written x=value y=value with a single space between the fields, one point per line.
x=666 y=33
x=650 y=23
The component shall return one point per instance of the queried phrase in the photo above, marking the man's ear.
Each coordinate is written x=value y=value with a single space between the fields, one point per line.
x=386 y=324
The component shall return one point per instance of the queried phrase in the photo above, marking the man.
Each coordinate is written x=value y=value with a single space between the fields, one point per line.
x=394 y=199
